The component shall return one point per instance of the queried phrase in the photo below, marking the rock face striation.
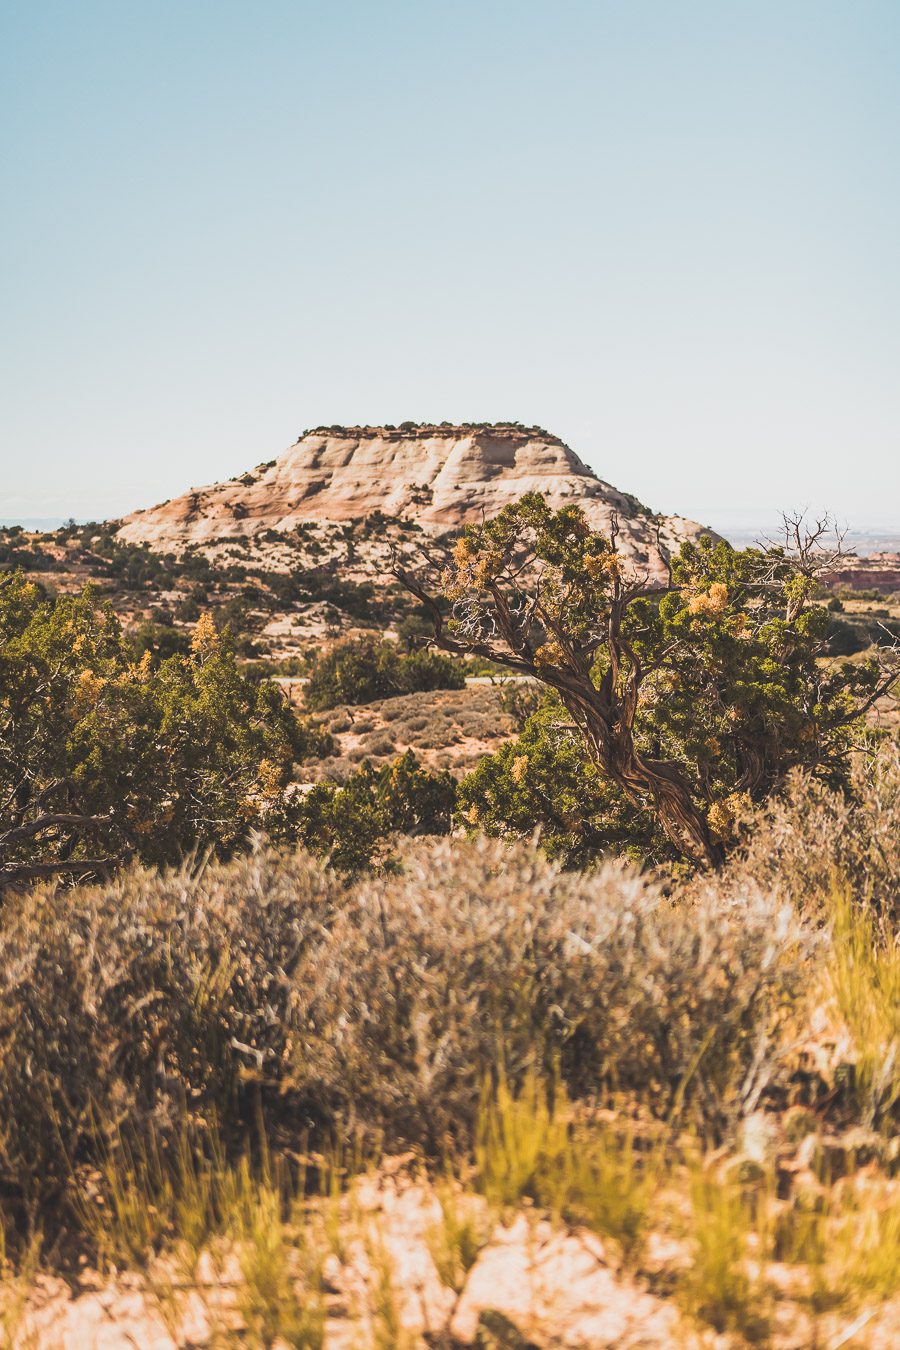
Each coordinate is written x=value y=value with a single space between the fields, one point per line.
x=439 y=476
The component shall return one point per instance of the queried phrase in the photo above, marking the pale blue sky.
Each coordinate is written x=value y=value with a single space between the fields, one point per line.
x=669 y=232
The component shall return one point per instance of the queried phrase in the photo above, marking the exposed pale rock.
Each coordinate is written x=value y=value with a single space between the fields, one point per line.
x=557 y=1284
x=441 y=477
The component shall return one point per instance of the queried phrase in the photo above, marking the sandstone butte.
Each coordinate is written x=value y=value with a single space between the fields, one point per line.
x=439 y=476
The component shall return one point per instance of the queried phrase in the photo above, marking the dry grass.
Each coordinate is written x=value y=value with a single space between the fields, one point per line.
x=479 y=1004
x=864 y=968
x=164 y=1213
x=135 y=1009
x=532 y=1147
x=801 y=841
x=725 y=1284
x=16 y=1279
x=280 y=1298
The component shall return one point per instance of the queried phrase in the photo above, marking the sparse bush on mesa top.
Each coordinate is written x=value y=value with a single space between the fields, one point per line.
x=361 y=670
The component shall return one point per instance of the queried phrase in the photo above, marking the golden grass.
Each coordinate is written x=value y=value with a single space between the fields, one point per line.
x=15 y=1283
x=533 y=1147
x=459 y=1235
x=280 y=1296
x=726 y=1285
x=865 y=1245
x=162 y=1214
x=864 y=970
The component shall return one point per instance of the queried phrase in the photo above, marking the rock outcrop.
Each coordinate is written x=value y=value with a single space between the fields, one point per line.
x=878 y=571
x=441 y=477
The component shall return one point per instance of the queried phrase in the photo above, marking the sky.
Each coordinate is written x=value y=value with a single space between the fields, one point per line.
x=668 y=232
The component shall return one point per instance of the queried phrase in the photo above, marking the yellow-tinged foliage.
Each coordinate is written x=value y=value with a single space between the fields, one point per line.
x=205 y=638
x=724 y=816
x=711 y=602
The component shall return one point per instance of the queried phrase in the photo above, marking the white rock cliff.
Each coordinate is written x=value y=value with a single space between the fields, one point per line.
x=441 y=477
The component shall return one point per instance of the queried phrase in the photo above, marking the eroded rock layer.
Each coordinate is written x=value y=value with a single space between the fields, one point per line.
x=441 y=477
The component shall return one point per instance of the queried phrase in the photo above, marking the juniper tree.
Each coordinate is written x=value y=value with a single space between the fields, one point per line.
x=689 y=698
x=103 y=757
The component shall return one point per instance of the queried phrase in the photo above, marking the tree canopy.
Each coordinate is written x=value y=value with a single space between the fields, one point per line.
x=689 y=699
x=104 y=757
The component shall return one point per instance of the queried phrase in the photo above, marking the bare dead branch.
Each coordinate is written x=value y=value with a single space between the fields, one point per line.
x=46 y=822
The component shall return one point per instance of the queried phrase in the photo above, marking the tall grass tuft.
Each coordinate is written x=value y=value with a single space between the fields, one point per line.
x=280 y=1299
x=533 y=1146
x=456 y=1239
x=865 y=975
x=726 y=1284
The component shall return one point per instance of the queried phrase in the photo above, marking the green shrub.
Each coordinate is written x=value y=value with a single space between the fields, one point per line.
x=688 y=697
x=544 y=782
x=361 y=670
x=352 y=822
x=161 y=640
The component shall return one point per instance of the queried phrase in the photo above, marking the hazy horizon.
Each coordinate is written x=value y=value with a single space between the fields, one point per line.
x=666 y=233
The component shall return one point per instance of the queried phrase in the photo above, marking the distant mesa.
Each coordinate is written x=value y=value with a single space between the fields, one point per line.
x=441 y=476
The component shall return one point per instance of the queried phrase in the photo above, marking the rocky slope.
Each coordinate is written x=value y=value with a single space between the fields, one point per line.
x=441 y=477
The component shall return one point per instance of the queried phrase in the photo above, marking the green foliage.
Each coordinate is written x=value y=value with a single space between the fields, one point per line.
x=361 y=670
x=351 y=823
x=544 y=781
x=159 y=639
x=106 y=757
x=739 y=691
x=690 y=701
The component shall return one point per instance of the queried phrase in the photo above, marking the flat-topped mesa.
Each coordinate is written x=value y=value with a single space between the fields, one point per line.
x=440 y=476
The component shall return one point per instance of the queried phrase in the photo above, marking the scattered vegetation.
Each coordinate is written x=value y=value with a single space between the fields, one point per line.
x=446 y=728
x=104 y=758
